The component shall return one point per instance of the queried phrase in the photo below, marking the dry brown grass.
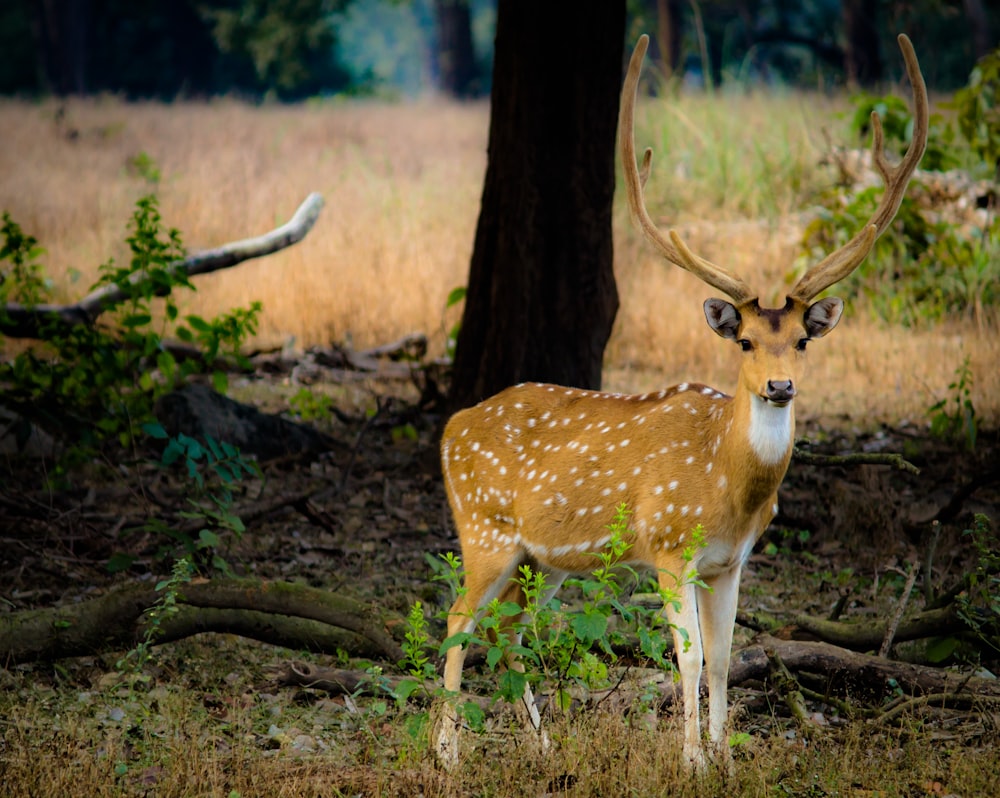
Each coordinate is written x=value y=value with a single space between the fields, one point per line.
x=402 y=185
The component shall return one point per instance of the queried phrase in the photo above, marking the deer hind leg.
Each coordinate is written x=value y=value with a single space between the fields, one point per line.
x=485 y=578
x=718 y=616
x=687 y=645
x=526 y=708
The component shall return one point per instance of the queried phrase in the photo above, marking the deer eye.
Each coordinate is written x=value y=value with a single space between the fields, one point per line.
x=745 y=345
x=801 y=345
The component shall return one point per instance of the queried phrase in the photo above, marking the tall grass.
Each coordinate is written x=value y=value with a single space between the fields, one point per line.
x=734 y=173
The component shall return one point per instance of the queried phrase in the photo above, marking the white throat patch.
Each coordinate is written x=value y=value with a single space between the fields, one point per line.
x=770 y=430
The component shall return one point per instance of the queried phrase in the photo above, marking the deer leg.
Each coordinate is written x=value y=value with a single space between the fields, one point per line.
x=481 y=586
x=526 y=706
x=718 y=615
x=687 y=645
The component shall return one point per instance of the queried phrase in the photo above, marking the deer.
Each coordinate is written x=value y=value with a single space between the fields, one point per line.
x=534 y=473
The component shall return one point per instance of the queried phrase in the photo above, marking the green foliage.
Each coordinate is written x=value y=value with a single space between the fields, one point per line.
x=978 y=603
x=165 y=607
x=289 y=42
x=564 y=649
x=93 y=384
x=897 y=127
x=925 y=267
x=978 y=107
x=456 y=296
x=24 y=280
x=143 y=165
x=954 y=417
x=311 y=406
x=215 y=469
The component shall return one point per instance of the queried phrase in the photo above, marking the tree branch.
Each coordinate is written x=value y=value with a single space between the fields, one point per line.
x=41 y=321
x=857 y=458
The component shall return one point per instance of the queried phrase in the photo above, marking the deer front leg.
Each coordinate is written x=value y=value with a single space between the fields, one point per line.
x=687 y=645
x=718 y=616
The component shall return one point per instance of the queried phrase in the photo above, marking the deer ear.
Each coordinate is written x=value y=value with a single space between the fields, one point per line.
x=723 y=317
x=822 y=316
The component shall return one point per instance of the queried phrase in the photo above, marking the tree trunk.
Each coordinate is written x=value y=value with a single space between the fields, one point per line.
x=861 y=58
x=62 y=40
x=456 y=61
x=541 y=295
x=668 y=25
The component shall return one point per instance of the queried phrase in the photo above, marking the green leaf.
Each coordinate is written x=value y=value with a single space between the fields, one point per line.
x=198 y=324
x=220 y=381
x=473 y=715
x=493 y=657
x=456 y=296
x=940 y=648
x=511 y=685
x=589 y=626
x=509 y=609
x=154 y=429
x=119 y=562
x=458 y=639
x=208 y=539
x=136 y=320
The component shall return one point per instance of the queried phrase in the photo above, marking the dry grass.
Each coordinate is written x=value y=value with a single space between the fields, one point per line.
x=210 y=731
x=402 y=185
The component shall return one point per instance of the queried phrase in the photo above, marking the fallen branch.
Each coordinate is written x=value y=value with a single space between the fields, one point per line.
x=897 y=461
x=283 y=613
x=40 y=321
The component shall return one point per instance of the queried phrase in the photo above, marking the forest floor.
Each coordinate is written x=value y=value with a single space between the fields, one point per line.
x=206 y=715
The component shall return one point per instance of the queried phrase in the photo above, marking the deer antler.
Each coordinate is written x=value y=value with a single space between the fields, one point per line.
x=671 y=248
x=837 y=265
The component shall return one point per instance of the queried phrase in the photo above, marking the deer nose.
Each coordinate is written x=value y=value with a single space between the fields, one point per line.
x=780 y=391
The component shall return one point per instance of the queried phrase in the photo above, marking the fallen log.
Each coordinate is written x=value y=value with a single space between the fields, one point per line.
x=281 y=613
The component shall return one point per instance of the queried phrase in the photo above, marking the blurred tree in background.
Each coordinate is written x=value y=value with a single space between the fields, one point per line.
x=289 y=49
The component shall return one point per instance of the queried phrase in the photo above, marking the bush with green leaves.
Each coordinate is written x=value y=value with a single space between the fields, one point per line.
x=925 y=268
x=91 y=384
x=564 y=650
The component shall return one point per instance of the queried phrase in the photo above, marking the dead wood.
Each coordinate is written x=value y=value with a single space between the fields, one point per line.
x=897 y=461
x=40 y=321
x=860 y=635
x=853 y=673
x=281 y=613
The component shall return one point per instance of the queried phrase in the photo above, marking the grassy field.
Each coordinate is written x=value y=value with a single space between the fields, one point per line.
x=735 y=174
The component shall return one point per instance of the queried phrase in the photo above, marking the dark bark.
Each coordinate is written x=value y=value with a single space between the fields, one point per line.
x=61 y=32
x=541 y=295
x=861 y=58
x=456 y=58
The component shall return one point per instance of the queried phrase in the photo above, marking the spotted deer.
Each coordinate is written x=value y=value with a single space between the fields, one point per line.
x=533 y=474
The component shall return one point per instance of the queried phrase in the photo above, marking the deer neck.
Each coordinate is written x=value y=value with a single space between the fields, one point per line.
x=758 y=445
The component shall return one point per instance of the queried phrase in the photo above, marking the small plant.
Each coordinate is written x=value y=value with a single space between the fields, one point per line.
x=456 y=296
x=979 y=603
x=166 y=606
x=311 y=406
x=216 y=469
x=562 y=649
x=93 y=384
x=978 y=107
x=954 y=417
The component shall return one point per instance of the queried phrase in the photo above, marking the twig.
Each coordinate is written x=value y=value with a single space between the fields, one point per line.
x=936 y=701
x=890 y=631
x=857 y=458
